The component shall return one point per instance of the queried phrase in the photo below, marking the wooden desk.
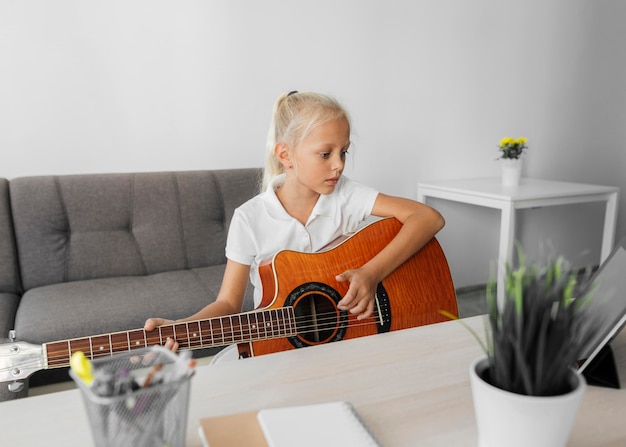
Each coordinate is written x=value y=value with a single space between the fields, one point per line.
x=531 y=193
x=411 y=387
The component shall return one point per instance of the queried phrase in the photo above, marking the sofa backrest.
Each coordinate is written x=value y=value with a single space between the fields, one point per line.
x=9 y=275
x=77 y=227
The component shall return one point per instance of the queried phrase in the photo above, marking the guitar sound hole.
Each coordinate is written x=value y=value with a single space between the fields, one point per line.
x=317 y=318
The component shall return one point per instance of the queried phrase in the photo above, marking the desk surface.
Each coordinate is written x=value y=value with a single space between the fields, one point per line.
x=411 y=387
x=529 y=188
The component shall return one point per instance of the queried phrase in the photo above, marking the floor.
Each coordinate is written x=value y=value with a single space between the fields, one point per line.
x=471 y=301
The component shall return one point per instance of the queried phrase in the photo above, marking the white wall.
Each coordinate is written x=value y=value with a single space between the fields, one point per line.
x=432 y=85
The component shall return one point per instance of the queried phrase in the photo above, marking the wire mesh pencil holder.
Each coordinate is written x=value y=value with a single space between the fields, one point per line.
x=138 y=399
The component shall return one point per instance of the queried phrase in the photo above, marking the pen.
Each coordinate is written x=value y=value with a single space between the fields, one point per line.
x=150 y=377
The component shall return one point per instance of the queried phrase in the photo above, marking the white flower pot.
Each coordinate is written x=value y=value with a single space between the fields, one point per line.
x=514 y=420
x=511 y=171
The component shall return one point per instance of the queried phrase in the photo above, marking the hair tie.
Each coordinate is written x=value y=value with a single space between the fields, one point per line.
x=293 y=92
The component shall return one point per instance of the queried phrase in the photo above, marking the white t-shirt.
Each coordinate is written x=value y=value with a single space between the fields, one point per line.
x=261 y=227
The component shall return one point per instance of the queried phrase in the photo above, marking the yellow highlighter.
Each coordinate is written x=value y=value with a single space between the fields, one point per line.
x=81 y=367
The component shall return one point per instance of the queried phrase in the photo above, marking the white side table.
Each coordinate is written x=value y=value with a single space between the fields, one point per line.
x=489 y=192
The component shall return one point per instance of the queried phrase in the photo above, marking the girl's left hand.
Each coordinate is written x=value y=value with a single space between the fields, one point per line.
x=360 y=296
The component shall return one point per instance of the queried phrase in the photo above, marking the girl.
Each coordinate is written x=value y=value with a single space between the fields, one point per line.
x=306 y=203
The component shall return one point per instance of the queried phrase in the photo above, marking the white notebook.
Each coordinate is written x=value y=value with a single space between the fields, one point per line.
x=332 y=424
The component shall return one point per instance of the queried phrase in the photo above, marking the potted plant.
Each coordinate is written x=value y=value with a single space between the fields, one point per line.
x=511 y=151
x=526 y=390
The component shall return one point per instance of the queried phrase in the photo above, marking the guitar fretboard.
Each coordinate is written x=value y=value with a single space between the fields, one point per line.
x=214 y=332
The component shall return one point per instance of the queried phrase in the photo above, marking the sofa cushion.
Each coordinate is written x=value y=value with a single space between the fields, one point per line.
x=97 y=306
x=9 y=275
x=83 y=227
x=8 y=308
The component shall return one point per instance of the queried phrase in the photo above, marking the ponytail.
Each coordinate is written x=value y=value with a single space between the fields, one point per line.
x=273 y=167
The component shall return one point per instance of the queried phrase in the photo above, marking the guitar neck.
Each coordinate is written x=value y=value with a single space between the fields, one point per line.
x=214 y=332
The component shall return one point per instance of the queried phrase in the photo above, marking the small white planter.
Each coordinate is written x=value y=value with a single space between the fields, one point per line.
x=511 y=171
x=514 y=420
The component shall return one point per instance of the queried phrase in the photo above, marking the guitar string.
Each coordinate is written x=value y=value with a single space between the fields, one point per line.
x=324 y=322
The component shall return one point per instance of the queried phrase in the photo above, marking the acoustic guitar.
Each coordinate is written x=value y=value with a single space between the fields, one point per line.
x=298 y=307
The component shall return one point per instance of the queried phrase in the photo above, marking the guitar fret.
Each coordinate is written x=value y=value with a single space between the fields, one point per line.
x=119 y=342
x=269 y=325
x=281 y=323
x=227 y=334
x=274 y=322
x=283 y=329
x=256 y=327
x=152 y=339
x=236 y=329
x=222 y=331
x=280 y=326
x=79 y=344
x=195 y=337
x=289 y=321
x=200 y=339
x=137 y=339
x=98 y=343
x=166 y=332
x=181 y=335
x=205 y=328
x=246 y=330
x=229 y=330
x=233 y=327
x=57 y=354
x=264 y=325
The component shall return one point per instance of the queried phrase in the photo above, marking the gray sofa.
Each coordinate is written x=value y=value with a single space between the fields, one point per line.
x=88 y=254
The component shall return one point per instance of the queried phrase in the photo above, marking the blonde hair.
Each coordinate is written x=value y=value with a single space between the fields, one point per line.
x=294 y=116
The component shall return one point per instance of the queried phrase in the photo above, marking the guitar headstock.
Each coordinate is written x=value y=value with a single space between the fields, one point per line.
x=18 y=360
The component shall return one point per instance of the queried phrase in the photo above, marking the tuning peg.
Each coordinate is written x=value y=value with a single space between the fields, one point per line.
x=16 y=387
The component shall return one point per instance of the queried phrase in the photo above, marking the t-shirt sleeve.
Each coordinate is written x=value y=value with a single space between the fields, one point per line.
x=240 y=246
x=360 y=199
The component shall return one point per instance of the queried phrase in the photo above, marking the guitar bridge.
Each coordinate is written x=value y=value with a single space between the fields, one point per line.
x=382 y=309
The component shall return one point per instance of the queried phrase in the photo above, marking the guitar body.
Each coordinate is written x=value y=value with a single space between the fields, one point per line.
x=412 y=295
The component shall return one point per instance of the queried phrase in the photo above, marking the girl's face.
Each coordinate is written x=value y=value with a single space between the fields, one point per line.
x=319 y=159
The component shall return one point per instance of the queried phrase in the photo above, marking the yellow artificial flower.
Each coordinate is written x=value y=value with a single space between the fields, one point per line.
x=506 y=141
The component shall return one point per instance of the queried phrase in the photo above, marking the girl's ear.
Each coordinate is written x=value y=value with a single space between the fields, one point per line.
x=283 y=154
